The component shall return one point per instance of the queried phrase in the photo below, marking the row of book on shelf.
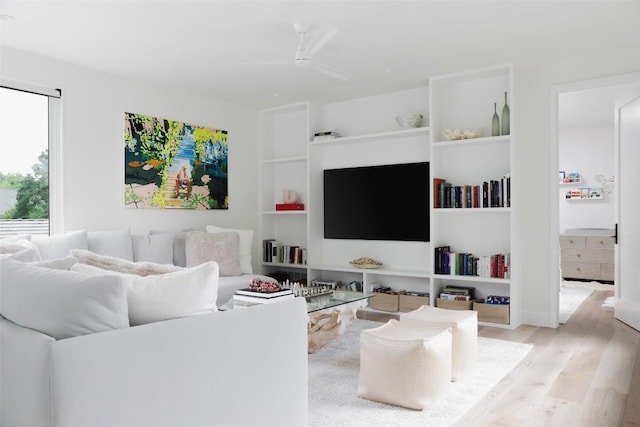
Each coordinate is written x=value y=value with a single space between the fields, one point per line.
x=275 y=251
x=463 y=293
x=467 y=264
x=490 y=194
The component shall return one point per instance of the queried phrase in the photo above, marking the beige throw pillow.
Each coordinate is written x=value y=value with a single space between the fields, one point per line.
x=245 y=245
x=222 y=248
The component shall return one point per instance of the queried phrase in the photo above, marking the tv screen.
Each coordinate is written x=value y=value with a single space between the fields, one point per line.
x=388 y=202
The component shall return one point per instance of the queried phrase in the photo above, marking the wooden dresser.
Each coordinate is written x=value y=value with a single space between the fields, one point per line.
x=587 y=254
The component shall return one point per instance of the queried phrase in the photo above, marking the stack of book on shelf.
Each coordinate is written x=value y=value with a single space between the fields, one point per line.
x=278 y=252
x=457 y=293
x=247 y=296
x=321 y=136
x=489 y=194
x=466 y=264
x=289 y=206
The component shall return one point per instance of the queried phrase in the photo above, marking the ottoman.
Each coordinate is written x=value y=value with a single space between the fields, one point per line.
x=405 y=367
x=464 y=329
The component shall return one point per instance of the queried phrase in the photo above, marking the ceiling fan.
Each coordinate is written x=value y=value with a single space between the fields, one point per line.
x=308 y=45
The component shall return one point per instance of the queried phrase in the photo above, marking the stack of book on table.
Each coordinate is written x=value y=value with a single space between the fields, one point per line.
x=248 y=297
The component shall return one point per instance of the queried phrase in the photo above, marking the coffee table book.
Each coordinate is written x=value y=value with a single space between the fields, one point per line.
x=258 y=300
x=251 y=293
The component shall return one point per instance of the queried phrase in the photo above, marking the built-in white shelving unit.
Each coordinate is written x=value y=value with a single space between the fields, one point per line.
x=465 y=101
x=290 y=159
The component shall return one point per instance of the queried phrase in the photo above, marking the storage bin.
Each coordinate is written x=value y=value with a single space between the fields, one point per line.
x=385 y=302
x=412 y=302
x=454 y=305
x=494 y=313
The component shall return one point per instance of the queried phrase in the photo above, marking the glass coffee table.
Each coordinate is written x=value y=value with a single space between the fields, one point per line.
x=329 y=315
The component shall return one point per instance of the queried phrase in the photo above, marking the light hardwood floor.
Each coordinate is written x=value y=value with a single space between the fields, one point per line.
x=584 y=373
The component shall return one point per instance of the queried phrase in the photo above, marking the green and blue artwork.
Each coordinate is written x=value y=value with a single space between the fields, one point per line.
x=170 y=164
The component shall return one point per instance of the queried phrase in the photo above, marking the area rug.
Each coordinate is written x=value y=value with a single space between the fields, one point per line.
x=570 y=298
x=333 y=385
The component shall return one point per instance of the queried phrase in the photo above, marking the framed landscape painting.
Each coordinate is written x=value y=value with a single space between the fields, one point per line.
x=174 y=165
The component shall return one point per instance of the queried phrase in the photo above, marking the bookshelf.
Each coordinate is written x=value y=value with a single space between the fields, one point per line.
x=290 y=159
x=465 y=101
x=283 y=165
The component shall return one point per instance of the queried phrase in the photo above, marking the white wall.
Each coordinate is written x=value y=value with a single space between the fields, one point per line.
x=94 y=104
x=93 y=107
x=588 y=150
x=534 y=178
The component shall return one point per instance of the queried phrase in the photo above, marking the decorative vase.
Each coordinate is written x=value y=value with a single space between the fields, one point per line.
x=505 y=116
x=495 y=122
x=289 y=196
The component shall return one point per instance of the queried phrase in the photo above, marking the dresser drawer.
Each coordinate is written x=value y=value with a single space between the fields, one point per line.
x=585 y=255
x=577 y=270
x=603 y=242
x=571 y=241
x=607 y=272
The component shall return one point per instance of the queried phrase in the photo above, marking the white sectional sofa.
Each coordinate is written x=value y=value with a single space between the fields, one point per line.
x=81 y=346
x=117 y=249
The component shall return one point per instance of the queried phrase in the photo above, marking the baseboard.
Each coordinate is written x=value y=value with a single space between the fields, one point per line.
x=628 y=312
x=539 y=318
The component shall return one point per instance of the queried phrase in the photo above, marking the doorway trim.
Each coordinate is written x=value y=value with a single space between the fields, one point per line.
x=554 y=156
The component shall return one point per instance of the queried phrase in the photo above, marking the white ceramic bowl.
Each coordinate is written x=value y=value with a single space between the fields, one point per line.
x=408 y=121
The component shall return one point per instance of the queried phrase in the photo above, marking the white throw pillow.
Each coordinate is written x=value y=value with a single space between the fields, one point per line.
x=20 y=250
x=156 y=248
x=187 y=292
x=58 y=263
x=121 y=265
x=179 y=255
x=245 y=245
x=60 y=303
x=59 y=245
x=115 y=243
x=222 y=248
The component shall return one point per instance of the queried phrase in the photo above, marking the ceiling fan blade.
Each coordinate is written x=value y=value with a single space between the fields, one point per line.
x=277 y=62
x=319 y=39
x=328 y=71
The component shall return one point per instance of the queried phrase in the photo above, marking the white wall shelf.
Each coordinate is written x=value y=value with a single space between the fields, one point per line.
x=472 y=211
x=292 y=212
x=284 y=265
x=373 y=136
x=503 y=139
x=286 y=160
x=373 y=271
x=476 y=279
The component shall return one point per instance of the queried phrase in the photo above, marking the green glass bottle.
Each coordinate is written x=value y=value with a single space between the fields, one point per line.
x=495 y=122
x=505 y=116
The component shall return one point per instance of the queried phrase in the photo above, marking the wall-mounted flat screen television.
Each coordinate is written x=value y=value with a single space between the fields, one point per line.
x=386 y=202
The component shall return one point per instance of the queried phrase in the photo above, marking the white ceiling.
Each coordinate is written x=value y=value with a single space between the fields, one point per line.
x=382 y=45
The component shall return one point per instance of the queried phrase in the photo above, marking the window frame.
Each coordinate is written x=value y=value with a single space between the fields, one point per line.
x=54 y=97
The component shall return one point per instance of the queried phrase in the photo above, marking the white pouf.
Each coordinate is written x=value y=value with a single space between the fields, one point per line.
x=403 y=366
x=464 y=328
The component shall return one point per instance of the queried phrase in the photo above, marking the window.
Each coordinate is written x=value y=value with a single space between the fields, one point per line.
x=29 y=123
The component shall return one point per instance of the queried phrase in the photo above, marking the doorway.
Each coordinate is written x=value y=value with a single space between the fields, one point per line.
x=584 y=132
